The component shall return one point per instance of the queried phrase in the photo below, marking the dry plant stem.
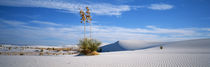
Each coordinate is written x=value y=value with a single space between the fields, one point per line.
x=84 y=29
x=90 y=29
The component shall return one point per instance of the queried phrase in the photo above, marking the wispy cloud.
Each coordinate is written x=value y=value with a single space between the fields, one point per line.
x=182 y=31
x=13 y=23
x=73 y=7
x=70 y=35
x=46 y=23
x=97 y=8
x=206 y=29
x=160 y=6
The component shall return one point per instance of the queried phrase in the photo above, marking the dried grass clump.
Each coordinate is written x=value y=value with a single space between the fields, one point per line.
x=94 y=53
x=50 y=49
x=41 y=53
x=21 y=53
x=66 y=49
x=8 y=53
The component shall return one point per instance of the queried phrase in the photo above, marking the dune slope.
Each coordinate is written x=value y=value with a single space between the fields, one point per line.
x=124 y=45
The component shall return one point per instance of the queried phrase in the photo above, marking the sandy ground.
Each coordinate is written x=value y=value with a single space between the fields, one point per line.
x=193 y=53
x=139 y=58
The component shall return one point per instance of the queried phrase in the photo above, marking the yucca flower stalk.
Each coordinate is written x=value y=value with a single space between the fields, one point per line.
x=82 y=14
x=88 y=17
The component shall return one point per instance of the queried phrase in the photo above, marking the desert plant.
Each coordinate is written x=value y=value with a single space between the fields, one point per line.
x=9 y=48
x=161 y=47
x=82 y=14
x=84 y=45
x=42 y=50
x=88 y=45
x=94 y=45
x=88 y=17
x=85 y=17
x=21 y=53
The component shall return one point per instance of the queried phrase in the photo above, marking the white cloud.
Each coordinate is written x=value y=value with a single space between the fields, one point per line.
x=46 y=23
x=208 y=29
x=97 y=8
x=13 y=23
x=70 y=35
x=73 y=7
x=160 y=6
x=182 y=31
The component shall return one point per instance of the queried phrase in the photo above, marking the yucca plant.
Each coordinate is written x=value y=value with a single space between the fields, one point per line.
x=85 y=17
x=88 y=17
x=88 y=46
x=82 y=14
x=94 y=45
x=161 y=47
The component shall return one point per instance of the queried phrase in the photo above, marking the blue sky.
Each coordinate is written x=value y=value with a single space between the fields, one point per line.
x=57 y=22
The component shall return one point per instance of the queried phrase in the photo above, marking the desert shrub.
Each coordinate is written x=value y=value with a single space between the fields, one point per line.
x=9 y=48
x=21 y=53
x=94 y=45
x=66 y=49
x=50 y=49
x=87 y=46
x=42 y=50
x=161 y=47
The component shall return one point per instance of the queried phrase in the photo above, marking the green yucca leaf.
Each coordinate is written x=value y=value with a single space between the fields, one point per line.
x=88 y=45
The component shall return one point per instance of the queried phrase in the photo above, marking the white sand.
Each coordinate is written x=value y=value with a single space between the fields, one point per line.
x=192 y=53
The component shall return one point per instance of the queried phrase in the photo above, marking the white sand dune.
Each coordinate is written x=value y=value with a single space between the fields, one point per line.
x=189 y=53
x=190 y=44
x=124 y=45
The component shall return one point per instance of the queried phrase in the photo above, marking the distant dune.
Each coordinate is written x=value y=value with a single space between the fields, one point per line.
x=190 y=44
x=124 y=45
